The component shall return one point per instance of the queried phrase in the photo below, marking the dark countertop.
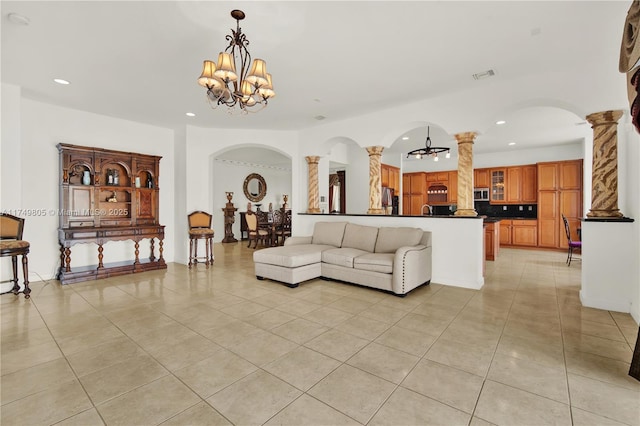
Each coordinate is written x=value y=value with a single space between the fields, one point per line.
x=435 y=216
x=498 y=219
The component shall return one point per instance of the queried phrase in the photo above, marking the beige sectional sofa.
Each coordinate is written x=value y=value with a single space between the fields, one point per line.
x=395 y=259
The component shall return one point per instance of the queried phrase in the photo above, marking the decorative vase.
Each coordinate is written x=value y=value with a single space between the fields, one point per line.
x=86 y=178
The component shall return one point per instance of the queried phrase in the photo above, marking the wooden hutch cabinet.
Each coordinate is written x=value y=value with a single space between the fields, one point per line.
x=107 y=196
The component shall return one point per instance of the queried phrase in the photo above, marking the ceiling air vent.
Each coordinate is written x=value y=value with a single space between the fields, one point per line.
x=485 y=74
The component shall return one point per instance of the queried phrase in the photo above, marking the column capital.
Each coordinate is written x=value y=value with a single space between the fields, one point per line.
x=375 y=150
x=312 y=159
x=465 y=137
x=604 y=117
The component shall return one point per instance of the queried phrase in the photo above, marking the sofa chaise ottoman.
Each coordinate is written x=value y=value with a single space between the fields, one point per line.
x=394 y=259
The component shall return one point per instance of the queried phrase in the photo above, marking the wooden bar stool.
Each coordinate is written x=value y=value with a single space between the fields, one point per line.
x=12 y=244
x=200 y=229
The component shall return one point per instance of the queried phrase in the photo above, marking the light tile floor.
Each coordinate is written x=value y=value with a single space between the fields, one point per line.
x=216 y=346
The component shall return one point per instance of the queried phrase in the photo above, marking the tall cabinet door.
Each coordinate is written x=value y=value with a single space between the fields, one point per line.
x=548 y=219
x=547 y=176
x=514 y=176
x=571 y=174
x=571 y=207
x=529 y=192
x=406 y=194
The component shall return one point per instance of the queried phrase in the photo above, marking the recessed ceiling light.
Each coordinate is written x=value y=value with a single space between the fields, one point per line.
x=190 y=114
x=499 y=122
x=405 y=138
x=60 y=81
x=319 y=117
x=18 y=19
x=511 y=143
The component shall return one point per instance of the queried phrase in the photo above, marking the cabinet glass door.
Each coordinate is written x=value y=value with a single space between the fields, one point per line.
x=497 y=185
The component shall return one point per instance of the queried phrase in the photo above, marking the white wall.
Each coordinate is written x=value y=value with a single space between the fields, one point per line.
x=181 y=236
x=611 y=250
x=205 y=190
x=228 y=176
x=10 y=166
x=42 y=127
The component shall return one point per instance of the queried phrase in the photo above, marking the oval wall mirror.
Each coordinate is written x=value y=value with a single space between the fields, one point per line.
x=255 y=187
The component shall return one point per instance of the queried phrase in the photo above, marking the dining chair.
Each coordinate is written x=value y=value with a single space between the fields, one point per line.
x=573 y=245
x=200 y=229
x=12 y=244
x=254 y=232
x=283 y=231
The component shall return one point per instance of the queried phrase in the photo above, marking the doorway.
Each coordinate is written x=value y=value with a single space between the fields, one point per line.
x=337 y=192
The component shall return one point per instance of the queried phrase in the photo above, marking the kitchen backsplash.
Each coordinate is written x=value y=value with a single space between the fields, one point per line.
x=495 y=210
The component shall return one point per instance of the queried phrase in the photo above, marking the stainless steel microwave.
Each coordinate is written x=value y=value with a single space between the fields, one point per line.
x=480 y=194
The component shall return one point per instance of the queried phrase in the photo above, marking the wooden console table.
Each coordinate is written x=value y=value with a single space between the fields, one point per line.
x=72 y=236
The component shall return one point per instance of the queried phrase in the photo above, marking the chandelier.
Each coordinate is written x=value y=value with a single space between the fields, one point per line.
x=429 y=150
x=247 y=89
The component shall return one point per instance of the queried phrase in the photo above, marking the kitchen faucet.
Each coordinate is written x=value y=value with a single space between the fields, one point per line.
x=428 y=206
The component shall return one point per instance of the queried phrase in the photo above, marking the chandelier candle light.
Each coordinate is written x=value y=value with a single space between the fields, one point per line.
x=429 y=150
x=251 y=87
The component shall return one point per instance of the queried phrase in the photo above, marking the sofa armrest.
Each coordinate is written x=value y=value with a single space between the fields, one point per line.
x=411 y=268
x=297 y=240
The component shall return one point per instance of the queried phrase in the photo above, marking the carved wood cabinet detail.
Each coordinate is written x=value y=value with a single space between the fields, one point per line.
x=107 y=196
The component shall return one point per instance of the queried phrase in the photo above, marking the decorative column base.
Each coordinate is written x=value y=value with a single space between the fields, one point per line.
x=466 y=212
x=375 y=211
x=314 y=210
x=605 y=213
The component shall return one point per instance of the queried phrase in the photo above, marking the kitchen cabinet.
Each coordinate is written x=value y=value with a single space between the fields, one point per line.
x=453 y=187
x=548 y=208
x=414 y=193
x=438 y=177
x=529 y=184
x=390 y=177
x=491 y=240
x=497 y=190
x=514 y=185
x=559 y=192
x=505 y=232
x=481 y=178
x=438 y=188
x=519 y=232
x=524 y=233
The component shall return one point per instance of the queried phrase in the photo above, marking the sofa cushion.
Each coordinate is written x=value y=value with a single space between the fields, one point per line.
x=329 y=233
x=375 y=262
x=341 y=256
x=391 y=239
x=291 y=256
x=360 y=237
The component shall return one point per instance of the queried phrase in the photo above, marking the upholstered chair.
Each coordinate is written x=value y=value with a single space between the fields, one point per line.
x=12 y=244
x=200 y=229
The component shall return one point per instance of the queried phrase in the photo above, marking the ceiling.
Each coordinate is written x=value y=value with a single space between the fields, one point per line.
x=140 y=60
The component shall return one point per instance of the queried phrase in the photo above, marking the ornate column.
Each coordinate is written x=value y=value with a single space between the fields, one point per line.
x=314 y=190
x=375 y=181
x=465 y=174
x=604 y=180
x=229 y=218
